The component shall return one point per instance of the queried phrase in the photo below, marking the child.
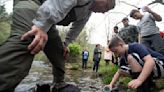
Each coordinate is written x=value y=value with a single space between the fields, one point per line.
x=85 y=56
x=107 y=56
x=138 y=61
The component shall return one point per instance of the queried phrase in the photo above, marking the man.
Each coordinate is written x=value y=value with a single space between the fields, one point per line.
x=138 y=61
x=149 y=32
x=96 y=57
x=115 y=29
x=129 y=33
x=37 y=19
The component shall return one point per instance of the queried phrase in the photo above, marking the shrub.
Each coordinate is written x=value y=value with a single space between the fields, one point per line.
x=75 y=49
x=107 y=72
x=75 y=52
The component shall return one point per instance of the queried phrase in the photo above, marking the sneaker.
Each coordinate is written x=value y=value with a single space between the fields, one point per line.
x=63 y=87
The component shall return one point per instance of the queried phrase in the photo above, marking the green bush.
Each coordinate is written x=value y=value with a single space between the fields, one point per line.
x=107 y=72
x=75 y=53
x=4 y=31
x=75 y=49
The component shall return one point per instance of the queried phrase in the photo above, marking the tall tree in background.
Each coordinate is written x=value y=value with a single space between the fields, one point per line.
x=82 y=39
x=4 y=16
x=4 y=23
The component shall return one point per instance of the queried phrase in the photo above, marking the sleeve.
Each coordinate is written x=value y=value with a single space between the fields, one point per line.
x=151 y=16
x=136 y=28
x=95 y=51
x=141 y=50
x=75 y=30
x=51 y=12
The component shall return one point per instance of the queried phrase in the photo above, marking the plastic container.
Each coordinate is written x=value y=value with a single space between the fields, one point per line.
x=106 y=89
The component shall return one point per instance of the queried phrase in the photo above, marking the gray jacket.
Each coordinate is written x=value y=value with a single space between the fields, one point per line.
x=97 y=54
x=53 y=11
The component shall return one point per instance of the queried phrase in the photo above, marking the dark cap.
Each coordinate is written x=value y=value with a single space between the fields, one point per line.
x=133 y=11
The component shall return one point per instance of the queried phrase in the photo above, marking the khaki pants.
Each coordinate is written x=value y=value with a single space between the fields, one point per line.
x=16 y=60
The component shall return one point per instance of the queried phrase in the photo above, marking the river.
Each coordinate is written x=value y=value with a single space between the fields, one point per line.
x=40 y=73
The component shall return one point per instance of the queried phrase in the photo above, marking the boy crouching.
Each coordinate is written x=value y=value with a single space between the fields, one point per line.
x=138 y=61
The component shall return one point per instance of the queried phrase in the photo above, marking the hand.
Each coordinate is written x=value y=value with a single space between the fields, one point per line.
x=38 y=42
x=134 y=83
x=110 y=86
x=66 y=52
x=146 y=9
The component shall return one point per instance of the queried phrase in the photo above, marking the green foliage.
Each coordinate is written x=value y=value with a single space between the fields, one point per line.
x=75 y=52
x=4 y=24
x=125 y=80
x=3 y=14
x=107 y=72
x=75 y=49
x=40 y=57
x=75 y=66
x=4 y=31
x=82 y=38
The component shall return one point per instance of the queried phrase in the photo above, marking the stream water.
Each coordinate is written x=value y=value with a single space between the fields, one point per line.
x=40 y=73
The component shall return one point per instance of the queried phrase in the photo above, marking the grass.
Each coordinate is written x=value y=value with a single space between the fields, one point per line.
x=40 y=57
x=75 y=66
x=107 y=71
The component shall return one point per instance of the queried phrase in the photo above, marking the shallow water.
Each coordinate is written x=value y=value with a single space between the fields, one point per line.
x=40 y=73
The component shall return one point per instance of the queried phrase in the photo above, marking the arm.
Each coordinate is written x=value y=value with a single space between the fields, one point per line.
x=137 y=30
x=51 y=12
x=147 y=69
x=156 y=16
x=75 y=30
x=116 y=77
x=139 y=33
